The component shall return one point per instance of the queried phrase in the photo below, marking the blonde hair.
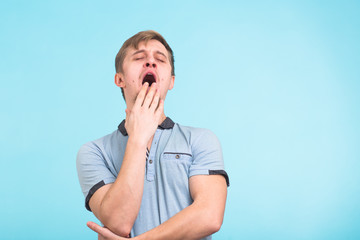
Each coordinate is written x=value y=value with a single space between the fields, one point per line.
x=134 y=42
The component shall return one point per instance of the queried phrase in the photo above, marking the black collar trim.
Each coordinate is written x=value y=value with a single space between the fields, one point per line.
x=166 y=124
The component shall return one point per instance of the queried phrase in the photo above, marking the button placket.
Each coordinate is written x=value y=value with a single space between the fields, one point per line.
x=150 y=175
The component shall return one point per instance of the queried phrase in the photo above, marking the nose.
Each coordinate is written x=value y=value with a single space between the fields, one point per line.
x=150 y=63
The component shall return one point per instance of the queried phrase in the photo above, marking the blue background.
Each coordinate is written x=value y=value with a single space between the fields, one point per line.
x=277 y=81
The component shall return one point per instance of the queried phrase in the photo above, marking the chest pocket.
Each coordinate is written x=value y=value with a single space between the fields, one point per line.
x=174 y=156
x=176 y=163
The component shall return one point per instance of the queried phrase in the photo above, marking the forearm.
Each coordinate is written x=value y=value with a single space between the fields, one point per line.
x=194 y=222
x=202 y=218
x=121 y=204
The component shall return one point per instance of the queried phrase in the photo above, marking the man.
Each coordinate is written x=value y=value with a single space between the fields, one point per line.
x=152 y=178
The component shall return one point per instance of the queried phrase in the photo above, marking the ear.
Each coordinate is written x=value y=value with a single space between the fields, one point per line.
x=172 y=81
x=119 y=80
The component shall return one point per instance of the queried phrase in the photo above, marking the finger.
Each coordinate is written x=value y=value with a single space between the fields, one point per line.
x=149 y=96
x=96 y=228
x=140 y=97
x=101 y=237
x=155 y=102
x=160 y=108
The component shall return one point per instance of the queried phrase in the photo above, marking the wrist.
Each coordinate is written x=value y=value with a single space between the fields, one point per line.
x=137 y=142
x=140 y=237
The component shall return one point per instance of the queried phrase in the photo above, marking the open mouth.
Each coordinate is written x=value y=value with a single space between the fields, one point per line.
x=150 y=78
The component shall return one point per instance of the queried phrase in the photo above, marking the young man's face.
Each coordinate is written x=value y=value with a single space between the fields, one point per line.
x=149 y=63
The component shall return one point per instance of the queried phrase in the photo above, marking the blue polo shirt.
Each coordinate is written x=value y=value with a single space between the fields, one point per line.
x=177 y=153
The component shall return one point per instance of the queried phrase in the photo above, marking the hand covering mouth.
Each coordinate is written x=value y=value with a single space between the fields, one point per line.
x=150 y=78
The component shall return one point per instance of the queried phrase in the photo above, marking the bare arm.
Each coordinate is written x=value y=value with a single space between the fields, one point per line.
x=202 y=218
x=117 y=205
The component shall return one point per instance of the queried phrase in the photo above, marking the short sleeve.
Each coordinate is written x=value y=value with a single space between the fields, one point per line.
x=207 y=156
x=93 y=170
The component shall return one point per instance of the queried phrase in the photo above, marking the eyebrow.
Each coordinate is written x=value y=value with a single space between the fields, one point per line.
x=158 y=52
x=142 y=51
x=138 y=51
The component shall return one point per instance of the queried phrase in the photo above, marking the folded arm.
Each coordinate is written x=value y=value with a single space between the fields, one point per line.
x=117 y=205
x=202 y=218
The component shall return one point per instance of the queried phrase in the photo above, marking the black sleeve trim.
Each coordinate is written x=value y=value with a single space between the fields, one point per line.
x=91 y=192
x=220 y=172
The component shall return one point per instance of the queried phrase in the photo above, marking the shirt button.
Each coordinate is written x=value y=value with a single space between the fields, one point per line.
x=177 y=156
x=150 y=161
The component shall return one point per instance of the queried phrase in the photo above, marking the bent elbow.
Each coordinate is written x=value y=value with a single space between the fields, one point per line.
x=123 y=230
x=215 y=226
x=115 y=223
x=215 y=223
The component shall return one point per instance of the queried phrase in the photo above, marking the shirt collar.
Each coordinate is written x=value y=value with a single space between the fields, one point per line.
x=166 y=124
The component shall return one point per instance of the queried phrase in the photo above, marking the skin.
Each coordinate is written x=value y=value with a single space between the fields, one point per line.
x=135 y=66
x=116 y=205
